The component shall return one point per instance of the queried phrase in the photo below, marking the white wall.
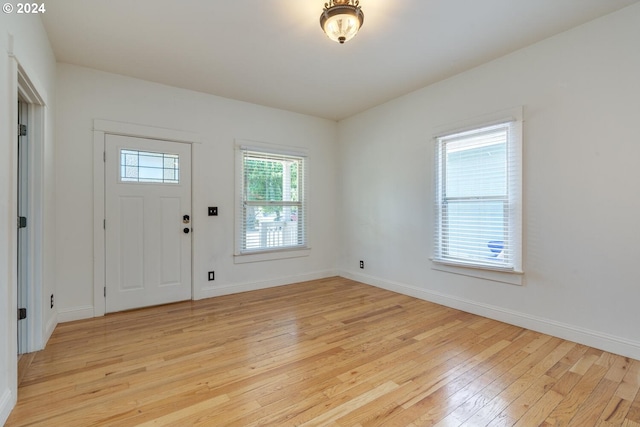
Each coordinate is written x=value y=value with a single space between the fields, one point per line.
x=85 y=95
x=32 y=51
x=581 y=96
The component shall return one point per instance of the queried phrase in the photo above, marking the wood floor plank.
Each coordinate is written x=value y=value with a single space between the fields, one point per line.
x=518 y=379
x=327 y=352
x=573 y=401
x=528 y=399
x=624 y=373
x=452 y=404
x=539 y=411
x=634 y=410
x=590 y=411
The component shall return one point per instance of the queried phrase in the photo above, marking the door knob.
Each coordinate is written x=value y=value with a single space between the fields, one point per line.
x=186 y=230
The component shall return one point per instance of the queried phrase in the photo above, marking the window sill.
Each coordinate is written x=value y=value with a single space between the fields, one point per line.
x=503 y=276
x=270 y=255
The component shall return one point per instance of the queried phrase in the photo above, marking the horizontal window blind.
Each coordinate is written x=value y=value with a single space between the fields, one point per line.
x=272 y=212
x=478 y=197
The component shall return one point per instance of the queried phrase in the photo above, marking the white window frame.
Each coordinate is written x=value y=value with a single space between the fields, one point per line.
x=243 y=255
x=510 y=271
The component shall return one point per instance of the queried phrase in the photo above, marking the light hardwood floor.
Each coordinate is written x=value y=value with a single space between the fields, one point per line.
x=328 y=352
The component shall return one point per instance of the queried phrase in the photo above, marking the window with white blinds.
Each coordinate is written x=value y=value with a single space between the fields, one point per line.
x=272 y=211
x=478 y=197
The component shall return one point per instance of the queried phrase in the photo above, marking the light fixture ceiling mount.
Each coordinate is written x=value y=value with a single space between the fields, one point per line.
x=341 y=19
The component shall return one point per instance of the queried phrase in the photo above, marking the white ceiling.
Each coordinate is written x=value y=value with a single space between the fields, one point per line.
x=273 y=52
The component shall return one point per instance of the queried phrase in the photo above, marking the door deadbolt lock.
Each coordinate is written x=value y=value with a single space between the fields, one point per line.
x=186 y=230
x=186 y=219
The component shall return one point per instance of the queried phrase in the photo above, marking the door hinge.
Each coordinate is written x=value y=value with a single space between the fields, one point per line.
x=22 y=130
x=105 y=291
x=104 y=224
x=104 y=156
x=22 y=313
x=22 y=221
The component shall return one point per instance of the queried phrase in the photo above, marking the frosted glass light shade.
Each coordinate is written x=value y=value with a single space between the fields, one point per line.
x=341 y=22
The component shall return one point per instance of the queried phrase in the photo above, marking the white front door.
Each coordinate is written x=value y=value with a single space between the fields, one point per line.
x=148 y=222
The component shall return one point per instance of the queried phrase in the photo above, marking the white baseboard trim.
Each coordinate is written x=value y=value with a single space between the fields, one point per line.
x=75 y=313
x=7 y=402
x=87 y=312
x=602 y=341
x=51 y=326
x=234 y=288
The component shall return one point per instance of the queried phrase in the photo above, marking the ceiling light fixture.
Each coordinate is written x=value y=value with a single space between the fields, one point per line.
x=341 y=19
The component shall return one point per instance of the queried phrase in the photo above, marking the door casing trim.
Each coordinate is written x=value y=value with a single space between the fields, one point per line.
x=101 y=128
x=31 y=93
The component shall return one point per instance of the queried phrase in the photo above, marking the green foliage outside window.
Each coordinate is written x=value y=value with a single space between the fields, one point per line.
x=265 y=182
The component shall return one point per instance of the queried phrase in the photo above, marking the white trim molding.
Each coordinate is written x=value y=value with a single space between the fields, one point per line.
x=227 y=289
x=271 y=255
x=602 y=341
x=143 y=131
x=50 y=327
x=34 y=96
x=7 y=402
x=75 y=313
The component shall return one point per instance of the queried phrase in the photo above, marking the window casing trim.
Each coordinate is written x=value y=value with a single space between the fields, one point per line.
x=462 y=264
x=513 y=120
x=510 y=277
x=243 y=254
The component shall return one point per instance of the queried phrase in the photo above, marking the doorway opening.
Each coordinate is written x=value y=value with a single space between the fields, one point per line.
x=29 y=221
x=175 y=257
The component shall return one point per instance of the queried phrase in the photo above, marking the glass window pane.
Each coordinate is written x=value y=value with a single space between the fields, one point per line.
x=149 y=174
x=130 y=173
x=170 y=175
x=292 y=187
x=272 y=205
x=263 y=179
x=170 y=162
x=474 y=169
x=130 y=158
x=270 y=226
x=149 y=167
x=152 y=160
x=475 y=230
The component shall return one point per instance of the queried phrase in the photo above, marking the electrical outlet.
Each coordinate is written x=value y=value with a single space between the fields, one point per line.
x=51 y=300
x=212 y=275
x=361 y=264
